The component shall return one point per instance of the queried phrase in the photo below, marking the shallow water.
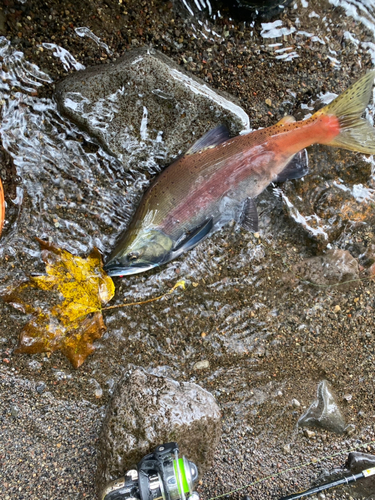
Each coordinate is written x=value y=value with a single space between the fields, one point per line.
x=77 y=195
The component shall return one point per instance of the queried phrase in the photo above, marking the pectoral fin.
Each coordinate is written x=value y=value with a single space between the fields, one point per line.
x=249 y=217
x=297 y=167
x=193 y=238
x=213 y=138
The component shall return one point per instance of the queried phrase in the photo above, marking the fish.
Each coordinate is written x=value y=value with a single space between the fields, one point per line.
x=2 y=207
x=219 y=178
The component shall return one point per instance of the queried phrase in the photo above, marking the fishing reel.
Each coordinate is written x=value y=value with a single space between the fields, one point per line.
x=160 y=475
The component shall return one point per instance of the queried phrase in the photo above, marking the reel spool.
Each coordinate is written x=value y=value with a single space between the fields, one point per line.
x=161 y=475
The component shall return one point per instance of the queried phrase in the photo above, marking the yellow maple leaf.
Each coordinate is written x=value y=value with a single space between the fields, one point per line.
x=70 y=319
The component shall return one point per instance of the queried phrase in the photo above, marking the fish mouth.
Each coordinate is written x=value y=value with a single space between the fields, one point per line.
x=118 y=270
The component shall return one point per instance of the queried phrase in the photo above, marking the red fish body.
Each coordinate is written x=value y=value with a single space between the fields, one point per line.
x=219 y=178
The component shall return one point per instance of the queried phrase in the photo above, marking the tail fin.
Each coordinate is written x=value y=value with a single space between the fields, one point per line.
x=356 y=133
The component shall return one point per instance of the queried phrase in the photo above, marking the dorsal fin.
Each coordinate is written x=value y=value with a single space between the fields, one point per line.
x=213 y=138
x=285 y=120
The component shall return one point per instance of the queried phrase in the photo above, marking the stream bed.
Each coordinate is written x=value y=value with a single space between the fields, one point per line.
x=266 y=336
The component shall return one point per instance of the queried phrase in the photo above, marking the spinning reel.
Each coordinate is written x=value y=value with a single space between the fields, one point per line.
x=160 y=475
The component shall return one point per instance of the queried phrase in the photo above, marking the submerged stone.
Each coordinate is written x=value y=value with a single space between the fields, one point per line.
x=145 y=103
x=335 y=266
x=147 y=410
x=336 y=197
x=324 y=413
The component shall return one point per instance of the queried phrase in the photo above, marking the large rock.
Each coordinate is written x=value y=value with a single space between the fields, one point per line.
x=147 y=410
x=145 y=103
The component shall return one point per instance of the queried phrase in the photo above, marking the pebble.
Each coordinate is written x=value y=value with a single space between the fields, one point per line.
x=201 y=365
x=350 y=429
x=35 y=365
x=308 y=433
x=40 y=387
x=296 y=403
x=14 y=410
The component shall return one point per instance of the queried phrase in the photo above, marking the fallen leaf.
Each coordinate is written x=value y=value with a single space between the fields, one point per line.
x=68 y=317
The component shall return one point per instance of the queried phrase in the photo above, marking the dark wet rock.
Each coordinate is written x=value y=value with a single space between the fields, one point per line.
x=324 y=413
x=356 y=463
x=145 y=102
x=147 y=410
x=335 y=266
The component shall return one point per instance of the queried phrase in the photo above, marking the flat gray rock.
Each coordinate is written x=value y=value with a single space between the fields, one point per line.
x=145 y=105
x=147 y=410
x=324 y=413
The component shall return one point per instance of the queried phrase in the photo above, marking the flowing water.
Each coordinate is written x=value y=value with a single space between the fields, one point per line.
x=72 y=192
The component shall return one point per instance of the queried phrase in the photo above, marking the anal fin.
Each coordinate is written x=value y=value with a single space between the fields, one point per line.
x=297 y=167
x=249 y=217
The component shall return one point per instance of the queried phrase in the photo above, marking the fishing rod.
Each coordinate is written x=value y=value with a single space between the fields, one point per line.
x=332 y=484
x=164 y=475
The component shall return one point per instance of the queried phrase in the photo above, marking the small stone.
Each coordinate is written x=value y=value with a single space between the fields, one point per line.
x=201 y=365
x=350 y=429
x=337 y=309
x=35 y=365
x=268 y=102
x=98 y=392
x=286 y=448
x=347 y=397
x=309 y=434
x=40 y=387
x=14 y=410
x=296 y=403
x=260 y=351
x=324 y=412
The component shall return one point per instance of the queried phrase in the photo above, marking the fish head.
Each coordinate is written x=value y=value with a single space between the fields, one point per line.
x=139 y=251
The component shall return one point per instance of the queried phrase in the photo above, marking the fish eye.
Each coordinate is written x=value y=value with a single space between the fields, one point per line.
x=132 y=256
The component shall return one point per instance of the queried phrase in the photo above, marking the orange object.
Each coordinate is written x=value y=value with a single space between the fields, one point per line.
x=2 y=206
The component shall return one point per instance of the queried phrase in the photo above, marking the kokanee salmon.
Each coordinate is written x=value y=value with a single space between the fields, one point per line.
x=219 y=178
